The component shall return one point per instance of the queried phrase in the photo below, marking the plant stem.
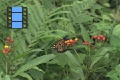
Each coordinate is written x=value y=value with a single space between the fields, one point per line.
x=88 y=65
x=6 y=67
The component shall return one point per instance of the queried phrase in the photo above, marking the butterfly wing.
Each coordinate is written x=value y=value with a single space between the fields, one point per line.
x=61 y=46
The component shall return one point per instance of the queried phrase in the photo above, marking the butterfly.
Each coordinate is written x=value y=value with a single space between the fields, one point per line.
x=61 y=46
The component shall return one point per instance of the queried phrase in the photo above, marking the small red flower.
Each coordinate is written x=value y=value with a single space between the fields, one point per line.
x=98 y=38
x=8 y=38
x=95 y=37
x=76 y=39
x=71 y=41
x=11 y=40
x=67 y=41
x=85 y=42
x=68 y=44
x=103 y=38
x=5 y=51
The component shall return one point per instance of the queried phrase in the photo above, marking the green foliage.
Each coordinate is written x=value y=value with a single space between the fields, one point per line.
x=114 y=74
x=6 y=77
x=49 y=21
x=34 y=62
x=99 y=54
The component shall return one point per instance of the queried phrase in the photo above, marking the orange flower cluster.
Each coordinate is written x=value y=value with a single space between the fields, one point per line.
x=8 y=44
x=71 y=42
x=100 y=37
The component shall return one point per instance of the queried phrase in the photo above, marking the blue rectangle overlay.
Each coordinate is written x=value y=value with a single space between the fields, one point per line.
x=16 y=9
x=16 y=24
x=16 y=16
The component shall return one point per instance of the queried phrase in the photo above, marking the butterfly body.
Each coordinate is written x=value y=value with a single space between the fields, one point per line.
x=61 y=46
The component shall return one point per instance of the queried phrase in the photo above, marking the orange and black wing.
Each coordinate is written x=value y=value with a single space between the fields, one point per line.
x=60 y=46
